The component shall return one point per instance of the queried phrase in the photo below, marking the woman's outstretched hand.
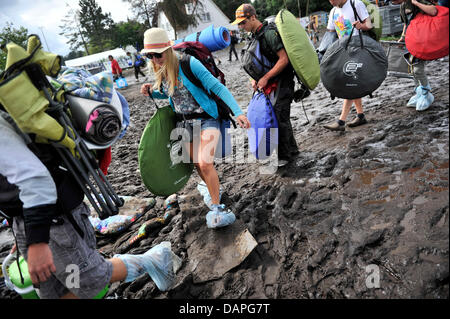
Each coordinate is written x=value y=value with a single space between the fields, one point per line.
x=243 y=121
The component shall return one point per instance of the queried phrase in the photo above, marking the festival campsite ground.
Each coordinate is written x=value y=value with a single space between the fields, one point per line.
x=372 y=198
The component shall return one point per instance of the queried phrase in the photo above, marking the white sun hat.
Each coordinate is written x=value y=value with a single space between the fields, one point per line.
x=156 y=41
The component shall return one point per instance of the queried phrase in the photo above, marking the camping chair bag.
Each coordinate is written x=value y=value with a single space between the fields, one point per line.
x=353 y=67
x=396 y=59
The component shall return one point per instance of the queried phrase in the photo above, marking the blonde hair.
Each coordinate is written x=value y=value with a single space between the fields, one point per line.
x=167 y=72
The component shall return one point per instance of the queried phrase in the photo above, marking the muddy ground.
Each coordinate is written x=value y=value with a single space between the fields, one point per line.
x=372 y=197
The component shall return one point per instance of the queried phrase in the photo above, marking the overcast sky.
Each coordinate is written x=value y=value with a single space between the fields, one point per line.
x=33 y=14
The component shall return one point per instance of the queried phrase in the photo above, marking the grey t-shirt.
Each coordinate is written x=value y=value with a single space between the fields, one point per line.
x=183 y=101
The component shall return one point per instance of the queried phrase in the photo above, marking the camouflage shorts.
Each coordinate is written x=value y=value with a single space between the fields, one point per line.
x=80 y=268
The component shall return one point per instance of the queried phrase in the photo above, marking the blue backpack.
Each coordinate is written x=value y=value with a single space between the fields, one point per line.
x=263 y=134
x=139 y=61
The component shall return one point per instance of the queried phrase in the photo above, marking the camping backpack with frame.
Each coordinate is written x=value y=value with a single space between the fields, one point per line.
x=40 y=114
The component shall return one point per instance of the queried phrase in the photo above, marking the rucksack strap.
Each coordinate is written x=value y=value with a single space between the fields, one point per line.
x=271 y=55
x=186 y=68
x=352 y=3
x=185 y=64
x=369 y=32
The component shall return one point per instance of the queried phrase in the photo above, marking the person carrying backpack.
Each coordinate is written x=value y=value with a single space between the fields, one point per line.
x=342 y=19
x=408 y=10
x=280 y=75
x=137 y=66
x=51 y=225
x=233 y=42
x=41 y=194
x=193 y=106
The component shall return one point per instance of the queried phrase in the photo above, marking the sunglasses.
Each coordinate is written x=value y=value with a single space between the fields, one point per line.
x=243 y=22
x=156 y=55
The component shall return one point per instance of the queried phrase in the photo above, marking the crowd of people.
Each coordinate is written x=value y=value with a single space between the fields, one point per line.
x=50 y=203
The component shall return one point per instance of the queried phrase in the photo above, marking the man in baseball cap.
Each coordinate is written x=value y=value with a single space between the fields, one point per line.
x=245 y=11
x=280 y=76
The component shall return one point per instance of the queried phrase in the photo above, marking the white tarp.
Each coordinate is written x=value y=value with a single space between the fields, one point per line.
x=100 y=60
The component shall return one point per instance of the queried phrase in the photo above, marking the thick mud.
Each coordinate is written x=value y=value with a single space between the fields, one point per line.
x=373 y=200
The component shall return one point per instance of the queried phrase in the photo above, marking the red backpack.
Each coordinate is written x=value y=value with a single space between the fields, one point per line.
x=202 y=53
x=427 y=36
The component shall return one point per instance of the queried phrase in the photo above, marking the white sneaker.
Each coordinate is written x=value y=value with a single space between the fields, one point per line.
x=137 y=80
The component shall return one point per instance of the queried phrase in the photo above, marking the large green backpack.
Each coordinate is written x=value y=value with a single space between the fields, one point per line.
x=159 y=174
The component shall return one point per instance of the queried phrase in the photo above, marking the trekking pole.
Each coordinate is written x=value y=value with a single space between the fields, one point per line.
x=89 y=161
x=86 y=158
x=65 y=157
x=107 y=185
x=303 y=106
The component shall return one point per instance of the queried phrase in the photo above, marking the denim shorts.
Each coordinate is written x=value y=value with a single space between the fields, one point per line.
x=205 y=124
x=71 y=255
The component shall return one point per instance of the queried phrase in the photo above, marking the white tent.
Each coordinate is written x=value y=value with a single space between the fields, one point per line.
x=99 y=62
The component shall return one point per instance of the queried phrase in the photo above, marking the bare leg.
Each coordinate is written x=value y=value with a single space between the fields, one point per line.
x=119 y=271
x=346 y=109
x=205 y=165
x=358 y=105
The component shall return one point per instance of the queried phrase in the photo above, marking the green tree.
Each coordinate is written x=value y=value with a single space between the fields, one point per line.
x=72 y=30
x=130 y=32
x=229 y=7
x=265 y=8
x=11 y=34
x=96 y=25
x=145 y=11
x=73 y=55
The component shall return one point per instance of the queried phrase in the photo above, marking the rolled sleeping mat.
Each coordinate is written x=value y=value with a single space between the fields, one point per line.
x=213 y=38
x=98 y=123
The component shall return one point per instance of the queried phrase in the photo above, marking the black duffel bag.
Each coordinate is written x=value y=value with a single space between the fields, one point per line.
x=353 y=67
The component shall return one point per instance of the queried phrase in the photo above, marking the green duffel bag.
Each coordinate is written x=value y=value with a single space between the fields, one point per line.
x=159 y=173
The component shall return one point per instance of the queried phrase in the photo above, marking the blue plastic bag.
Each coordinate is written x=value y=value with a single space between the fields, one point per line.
x=263 y=134
x=121 y=83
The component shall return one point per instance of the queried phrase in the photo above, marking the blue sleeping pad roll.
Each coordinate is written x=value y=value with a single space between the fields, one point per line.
x=213 y=38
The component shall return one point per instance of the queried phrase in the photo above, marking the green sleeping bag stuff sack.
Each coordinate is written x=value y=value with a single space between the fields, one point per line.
x=159 y=174
x=301 y=53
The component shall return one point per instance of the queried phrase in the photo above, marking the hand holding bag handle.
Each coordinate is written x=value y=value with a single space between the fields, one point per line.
x=350 y=37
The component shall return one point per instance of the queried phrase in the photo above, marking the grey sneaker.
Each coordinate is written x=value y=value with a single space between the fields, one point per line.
x=335 y=126
x=357 y=122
